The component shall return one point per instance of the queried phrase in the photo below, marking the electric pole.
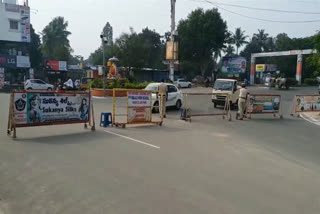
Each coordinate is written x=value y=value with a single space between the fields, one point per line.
x=102 y=36
x=173 y=31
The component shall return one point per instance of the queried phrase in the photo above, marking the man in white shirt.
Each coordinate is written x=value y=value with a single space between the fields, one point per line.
x=69 y=84
x=163 y=98
x=242 y=100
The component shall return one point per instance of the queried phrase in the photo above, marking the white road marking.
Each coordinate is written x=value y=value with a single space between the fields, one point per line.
x=137 y=141
x=310 y=119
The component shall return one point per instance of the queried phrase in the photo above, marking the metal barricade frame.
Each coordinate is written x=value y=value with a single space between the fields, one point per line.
x=186 y=115
x=295 y=103
x=124 y=124
x=249 y=106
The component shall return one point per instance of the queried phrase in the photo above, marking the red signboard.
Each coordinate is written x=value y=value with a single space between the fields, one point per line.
x=55 y=65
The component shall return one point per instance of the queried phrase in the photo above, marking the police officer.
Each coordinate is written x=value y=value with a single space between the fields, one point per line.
x=242 y=100
x=163 y=98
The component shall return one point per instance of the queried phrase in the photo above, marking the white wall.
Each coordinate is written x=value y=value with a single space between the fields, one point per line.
x=6 y=33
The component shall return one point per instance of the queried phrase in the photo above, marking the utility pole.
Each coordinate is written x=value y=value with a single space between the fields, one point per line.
x=173 y=31
x=102 y=36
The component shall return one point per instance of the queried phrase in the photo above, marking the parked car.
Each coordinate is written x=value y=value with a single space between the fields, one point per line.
x=225 y=86
x=182 y=83
x=319 y=89
x=36 y=84
x=175 y=97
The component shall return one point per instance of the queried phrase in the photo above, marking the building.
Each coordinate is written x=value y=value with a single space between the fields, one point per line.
x=14 y=42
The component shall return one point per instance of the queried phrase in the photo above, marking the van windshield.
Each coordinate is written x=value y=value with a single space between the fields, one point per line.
x=223 y=85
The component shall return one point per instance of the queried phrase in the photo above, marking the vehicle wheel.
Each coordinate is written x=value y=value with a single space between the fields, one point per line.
x=215 y=105
x=29 y=88
x=190 y=86
x=156 y=108
x=178 y=105
x=49 y=89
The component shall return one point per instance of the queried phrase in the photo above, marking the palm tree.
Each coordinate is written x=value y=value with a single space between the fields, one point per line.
x=239 y=38
x=229 y=50
x=262 y=39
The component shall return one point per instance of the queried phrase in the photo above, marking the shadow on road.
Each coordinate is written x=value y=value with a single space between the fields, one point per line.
x=72 y=138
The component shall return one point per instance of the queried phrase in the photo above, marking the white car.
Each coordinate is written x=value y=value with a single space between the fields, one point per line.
x=175 y=97
x=182 y=83
x=36 y=84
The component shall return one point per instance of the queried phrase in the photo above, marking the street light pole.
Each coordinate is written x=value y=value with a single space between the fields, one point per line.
x=103 y=64
x=173 y=29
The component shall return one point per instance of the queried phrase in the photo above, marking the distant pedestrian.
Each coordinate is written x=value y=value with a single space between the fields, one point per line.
x=243 y=96
x=163 y=98
x=69 y=84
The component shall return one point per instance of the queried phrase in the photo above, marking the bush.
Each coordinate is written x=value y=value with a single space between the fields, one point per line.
x=311 y=82
x=116 y=83
x=290 y=82
x=96 y=83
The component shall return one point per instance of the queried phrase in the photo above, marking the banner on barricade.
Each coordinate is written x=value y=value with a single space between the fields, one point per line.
x=264 y=104
x=307 y=103
x=29 y=109
x=139 y=106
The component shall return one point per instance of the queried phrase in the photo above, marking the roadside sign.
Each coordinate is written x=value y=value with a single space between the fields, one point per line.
x=264 y=104
x=306 y=103
x=38 y=108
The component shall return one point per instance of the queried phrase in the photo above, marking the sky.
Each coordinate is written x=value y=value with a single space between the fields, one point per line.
x=87 y=18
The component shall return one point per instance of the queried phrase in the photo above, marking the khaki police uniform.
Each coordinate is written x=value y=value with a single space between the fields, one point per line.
x=162 y=99
x=242 y=101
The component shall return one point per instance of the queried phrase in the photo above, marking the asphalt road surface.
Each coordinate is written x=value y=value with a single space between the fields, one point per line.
x=265 y=165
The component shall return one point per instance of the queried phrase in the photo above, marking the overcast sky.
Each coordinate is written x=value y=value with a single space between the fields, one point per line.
x=87 y=17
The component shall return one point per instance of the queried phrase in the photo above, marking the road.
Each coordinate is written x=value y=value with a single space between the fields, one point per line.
x=265 y=165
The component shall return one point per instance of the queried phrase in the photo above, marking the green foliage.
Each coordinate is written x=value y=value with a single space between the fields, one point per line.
x=200 y=35
x=239 y=38
x=229 y=50
x=314 y=60
x=56 y=45
x=117 y=83
x=96 y=83
x=311 y=82
x=35 y=49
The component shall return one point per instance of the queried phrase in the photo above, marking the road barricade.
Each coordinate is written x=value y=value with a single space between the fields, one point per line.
x=305 y=103
x=42 y=108
x=193 y=106
x=264 y=104
x=137 y=108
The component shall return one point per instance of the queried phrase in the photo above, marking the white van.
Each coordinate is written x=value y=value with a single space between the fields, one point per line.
x=223 y=86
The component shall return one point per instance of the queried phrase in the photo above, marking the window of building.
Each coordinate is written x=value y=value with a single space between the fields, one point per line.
x=14 y=25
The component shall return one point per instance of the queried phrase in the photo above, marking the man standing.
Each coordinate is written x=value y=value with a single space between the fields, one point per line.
x=69 y=84
x=163 y=98
x=242 y=100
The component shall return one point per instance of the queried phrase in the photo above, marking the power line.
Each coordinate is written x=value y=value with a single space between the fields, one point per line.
x=264 y=9
x=267 y=20
x=256 y=18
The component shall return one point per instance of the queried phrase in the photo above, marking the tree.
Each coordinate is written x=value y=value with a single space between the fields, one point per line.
x=35 y=49
x=108 y=33
x=239 y=38
x=229 y=51
x=314 y=60
x=200 y=35
x=56 y=45
x=261 y=38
